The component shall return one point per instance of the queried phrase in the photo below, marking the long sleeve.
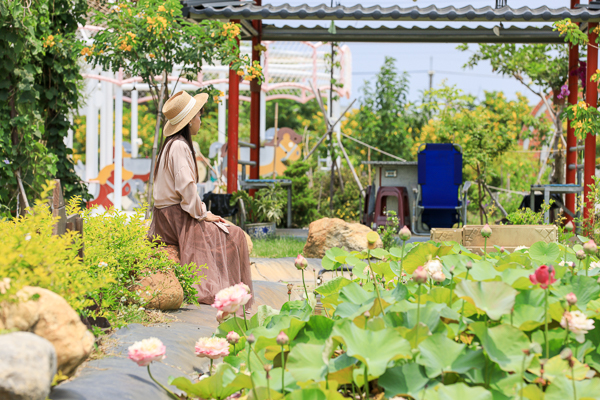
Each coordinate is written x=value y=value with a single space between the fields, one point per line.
x=180 y=167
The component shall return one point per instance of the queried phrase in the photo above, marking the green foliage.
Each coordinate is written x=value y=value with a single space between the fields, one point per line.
x=585 y=119
x=389 y=231
x=475 y=337
x=117 y=244
x=304 y=204
x=265 y=206
x=386 y=120
x=31 y=256
x=571 y=32
x=39 y=51
x=544 y=65
x=526 y=216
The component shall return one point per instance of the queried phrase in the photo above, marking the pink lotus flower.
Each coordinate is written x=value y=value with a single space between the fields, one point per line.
x=212 y=348
x=438 y=276
x=571 y=299
x=146 y=351
x=420 y=275
x=232 y=298
x=233 y=337
x=486 y=231
x=590 y=247
x=569 y=227
x=282 y=339
x=300 y=262
x=578 y=323
x=404 y=233
x=544 y=276
x=222 y=316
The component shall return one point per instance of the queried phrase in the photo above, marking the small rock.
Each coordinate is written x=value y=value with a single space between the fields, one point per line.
x=27 y=366
x=327 y=233
x=161 y=290
x=51 y=317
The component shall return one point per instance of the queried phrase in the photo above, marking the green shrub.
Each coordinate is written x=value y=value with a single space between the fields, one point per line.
x=31 y=256
x=304 y=204
x=118 y=243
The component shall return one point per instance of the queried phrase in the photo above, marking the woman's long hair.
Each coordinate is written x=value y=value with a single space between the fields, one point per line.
x=184 y=134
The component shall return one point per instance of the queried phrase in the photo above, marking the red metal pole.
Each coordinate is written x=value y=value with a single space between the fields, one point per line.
x=255 y=107
x=232 y=129
x=591 y=98
x=571 y=175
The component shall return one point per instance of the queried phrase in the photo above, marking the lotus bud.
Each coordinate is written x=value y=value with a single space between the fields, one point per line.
x=526 y=352
x=251 y=339
x=267 y=367
x=590 y=247
x=300 y=262
x=486 y=231
x=502 y=249
x=571 y=299
x=452 y=268
x=290 y=286
x=569 y=227
x=566 y=354
x=367 y=314
x=222 y=316
x=233 y=337
x=282 y=339
x=438 y=276
x=404 y=233
x=469 y=265
x=372 y=238
x=420 y=275
x=580 y=254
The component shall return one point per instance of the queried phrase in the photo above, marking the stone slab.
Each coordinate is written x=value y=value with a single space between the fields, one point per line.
x=510 y=235
x=447 y=235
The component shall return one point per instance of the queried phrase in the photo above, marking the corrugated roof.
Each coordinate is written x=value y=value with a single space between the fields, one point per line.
x=446 y=34
x=395 y=13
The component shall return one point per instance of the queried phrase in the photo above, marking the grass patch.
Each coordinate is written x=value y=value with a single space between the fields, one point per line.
x=277 y=247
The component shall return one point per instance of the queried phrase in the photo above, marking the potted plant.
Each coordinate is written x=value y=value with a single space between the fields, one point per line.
x=262 y=212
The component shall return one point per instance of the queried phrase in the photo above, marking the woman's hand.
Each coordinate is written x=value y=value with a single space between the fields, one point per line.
x=210 y=217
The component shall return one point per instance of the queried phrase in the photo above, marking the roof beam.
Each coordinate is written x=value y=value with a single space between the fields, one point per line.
x=395 y=13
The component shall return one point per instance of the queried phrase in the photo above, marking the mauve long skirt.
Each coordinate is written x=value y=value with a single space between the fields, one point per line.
x=201 y=242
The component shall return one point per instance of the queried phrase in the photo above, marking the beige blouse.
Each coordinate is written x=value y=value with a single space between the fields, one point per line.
x=175 y=183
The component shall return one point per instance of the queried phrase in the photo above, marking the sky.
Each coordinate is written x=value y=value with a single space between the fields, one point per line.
x=416 y=59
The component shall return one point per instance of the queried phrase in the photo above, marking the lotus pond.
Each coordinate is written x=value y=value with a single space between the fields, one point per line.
x=424 y=321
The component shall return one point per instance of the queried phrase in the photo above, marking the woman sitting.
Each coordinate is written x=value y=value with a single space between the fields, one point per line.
x=180 y=217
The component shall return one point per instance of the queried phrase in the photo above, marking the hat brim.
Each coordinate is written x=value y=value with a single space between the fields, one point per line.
x=169 y=129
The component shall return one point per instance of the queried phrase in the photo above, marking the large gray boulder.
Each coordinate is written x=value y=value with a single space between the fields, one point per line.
x=27 y=366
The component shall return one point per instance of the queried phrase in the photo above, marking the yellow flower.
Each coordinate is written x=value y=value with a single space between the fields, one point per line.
x=162 y=8
x=151 y=55
x=240 y=73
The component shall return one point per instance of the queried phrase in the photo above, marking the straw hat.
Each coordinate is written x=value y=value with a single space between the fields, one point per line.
x=180 y=109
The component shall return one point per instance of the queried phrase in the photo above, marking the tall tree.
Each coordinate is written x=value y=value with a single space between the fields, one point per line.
x=386 y=119
x=544 y=66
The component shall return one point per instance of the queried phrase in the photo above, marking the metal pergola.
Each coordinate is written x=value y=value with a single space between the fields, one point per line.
x=252 y=17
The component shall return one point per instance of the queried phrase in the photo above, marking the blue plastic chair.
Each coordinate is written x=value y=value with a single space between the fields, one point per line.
x=440 y=203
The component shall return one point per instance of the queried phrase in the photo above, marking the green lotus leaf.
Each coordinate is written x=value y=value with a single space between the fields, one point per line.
x=223 y=383
x=484 y=271
x=260 y=379
x=397 y=251
x=421 y=253
x=459 y=391
x=379 y=253
x=297 y=308
x=305 y=362
x=333 y=286
x=336 y=252
x=495 y=298
x=383 y=269
x=375 y=349
x=504 y=345
x=404 y=380
x=546 y=253
x=562 y=388
x=438 y=353
x=329 y=264
x=261 y=393
x=525 y=317
x=355 y=294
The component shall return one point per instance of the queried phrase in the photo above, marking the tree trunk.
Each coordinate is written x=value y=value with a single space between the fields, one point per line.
x=161 y=99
